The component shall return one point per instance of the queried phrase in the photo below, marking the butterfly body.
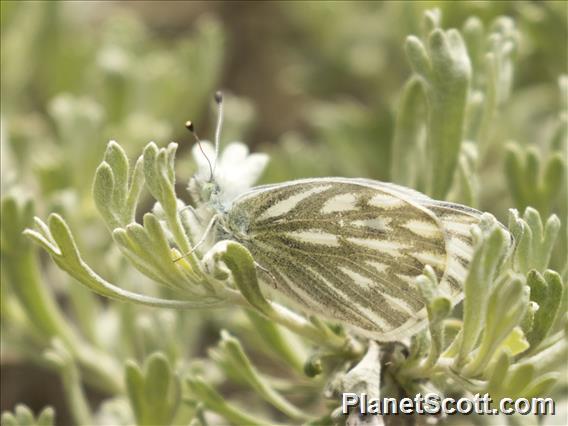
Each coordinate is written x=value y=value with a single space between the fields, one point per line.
x=350 y=249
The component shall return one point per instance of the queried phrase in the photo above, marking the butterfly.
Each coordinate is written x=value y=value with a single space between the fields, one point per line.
x=346 y=249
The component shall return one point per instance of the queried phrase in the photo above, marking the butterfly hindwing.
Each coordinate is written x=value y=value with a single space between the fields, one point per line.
x=346 y=249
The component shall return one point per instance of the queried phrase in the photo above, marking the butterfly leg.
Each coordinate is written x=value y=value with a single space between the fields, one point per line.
x=192 y=210
x=202 y=240
x=263 y=269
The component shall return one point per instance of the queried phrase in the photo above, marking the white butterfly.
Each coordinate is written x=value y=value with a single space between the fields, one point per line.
x=346 y=249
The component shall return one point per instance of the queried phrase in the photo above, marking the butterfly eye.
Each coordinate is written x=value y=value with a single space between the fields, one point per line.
x=207 y=190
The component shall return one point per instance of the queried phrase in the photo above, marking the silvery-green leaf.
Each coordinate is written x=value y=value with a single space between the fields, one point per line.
x=154 y=391
x=237 y=360
x=23 y=416
x=213 y=401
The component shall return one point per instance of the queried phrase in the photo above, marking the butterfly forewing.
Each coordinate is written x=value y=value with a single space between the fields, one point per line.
x=350 y=249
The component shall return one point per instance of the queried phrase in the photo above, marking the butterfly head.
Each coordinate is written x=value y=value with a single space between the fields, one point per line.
x=221 y=178
x=208 y=192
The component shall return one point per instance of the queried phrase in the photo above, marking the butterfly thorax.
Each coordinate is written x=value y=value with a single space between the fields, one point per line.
x=235 y=224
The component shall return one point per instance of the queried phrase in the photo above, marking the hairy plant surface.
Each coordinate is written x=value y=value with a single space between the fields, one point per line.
x=194 y=332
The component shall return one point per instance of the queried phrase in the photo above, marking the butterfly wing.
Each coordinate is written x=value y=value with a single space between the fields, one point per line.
x=350 y=249
x=456 y=220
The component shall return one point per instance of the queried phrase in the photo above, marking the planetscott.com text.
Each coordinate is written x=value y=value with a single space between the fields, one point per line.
x=434 y=404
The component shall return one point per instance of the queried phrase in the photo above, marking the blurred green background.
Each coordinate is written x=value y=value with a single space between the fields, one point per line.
x=317 y=78
x=314 y=84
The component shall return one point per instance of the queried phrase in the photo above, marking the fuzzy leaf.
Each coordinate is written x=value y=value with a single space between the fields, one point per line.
x=241 y=264
x=499 y=373
x=534 y=241
x=491 y=246
x=238 y=360
x=153 y=392
x=66 y=255
x=217 y=403
x=116 y=158
x=23 y=416
x=60 y=357
x=278 y=340
x=103 y=188
x=547 y=291
x=534 y=180
x=506 y=307
x=409 y=126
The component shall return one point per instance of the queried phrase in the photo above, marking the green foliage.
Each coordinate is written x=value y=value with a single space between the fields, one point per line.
x=215 y=402
x=497 y=350
x=444 y=69
x=63 y=361
x=23 y=416
x=19 y=261
x=231 y=356
x=154 y=392
x=535 y=240
x=532 y=180
x=547 y=292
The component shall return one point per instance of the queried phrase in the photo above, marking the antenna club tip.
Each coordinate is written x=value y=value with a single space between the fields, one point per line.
x=189 y=126
x=218 y=96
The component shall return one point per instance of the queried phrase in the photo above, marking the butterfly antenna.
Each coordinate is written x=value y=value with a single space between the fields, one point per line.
x=189 y=126
x=219 y=102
